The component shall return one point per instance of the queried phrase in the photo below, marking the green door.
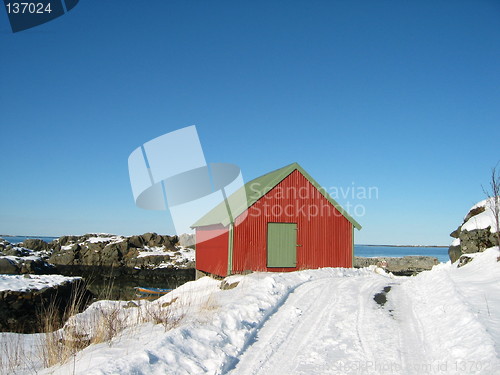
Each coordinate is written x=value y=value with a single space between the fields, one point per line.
x=281 y=244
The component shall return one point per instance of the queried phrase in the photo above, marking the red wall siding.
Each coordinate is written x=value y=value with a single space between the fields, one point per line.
x=211 y=249
x=325 y=235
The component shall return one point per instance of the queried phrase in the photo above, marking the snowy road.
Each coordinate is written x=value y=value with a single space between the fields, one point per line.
x=328 y=326
x=334 y=326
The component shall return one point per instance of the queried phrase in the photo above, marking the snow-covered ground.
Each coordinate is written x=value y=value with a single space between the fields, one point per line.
x=443 y=321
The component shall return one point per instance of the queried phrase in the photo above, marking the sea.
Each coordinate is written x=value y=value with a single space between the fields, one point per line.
x=370 y=251
x=17 y=239
x=441 y=253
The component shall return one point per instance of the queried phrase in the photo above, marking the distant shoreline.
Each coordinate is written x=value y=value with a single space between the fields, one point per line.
x=358 y=244
x=443 y=246
x=10 y=235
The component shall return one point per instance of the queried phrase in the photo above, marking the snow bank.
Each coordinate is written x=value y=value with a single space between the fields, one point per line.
x=483 y=219
x=32 y=282
x=457 y=311
x=217 y=326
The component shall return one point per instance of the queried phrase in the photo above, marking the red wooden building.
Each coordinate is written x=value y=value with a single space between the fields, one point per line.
x=288 y=223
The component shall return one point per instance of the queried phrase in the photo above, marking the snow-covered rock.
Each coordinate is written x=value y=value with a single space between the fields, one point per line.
x=478 y=231
x=24 y=299
x=17 y=259
x=148 y=251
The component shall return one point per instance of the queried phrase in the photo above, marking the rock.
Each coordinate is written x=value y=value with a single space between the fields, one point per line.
x=8 y=267
x=65 y=258
x=405 y=266
x=474 y=212
x=463 y=260
x=22 y=311
x=173 y=240
x=36 y=266
x=471 y=241
x=136 y=241
x=111 y=256
x=187 y=240
x=455 y=233
x=149 y=236
x=22 y=265
x=224 y=285
x=35 y=244
x=454 y=253
x=65 y=240
x=114 y=252
x=16 y=251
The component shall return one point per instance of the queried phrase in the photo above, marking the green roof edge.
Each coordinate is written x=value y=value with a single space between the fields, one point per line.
x=276 y=177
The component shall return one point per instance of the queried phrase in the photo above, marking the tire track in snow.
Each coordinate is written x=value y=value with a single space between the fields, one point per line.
x=324 y=327
x=412 y=340
x=276 y=331
x=377 y=332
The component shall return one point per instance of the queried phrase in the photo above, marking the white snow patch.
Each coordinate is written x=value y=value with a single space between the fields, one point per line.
x=17 y=259
x=153 y=251
x=113 y=239
x=25 y=283
x=179 y=259
x=484 y=219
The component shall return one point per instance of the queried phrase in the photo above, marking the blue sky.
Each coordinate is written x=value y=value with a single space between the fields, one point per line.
x=401 y=96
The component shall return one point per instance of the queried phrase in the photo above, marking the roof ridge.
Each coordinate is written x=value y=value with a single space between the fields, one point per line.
x=219 y=214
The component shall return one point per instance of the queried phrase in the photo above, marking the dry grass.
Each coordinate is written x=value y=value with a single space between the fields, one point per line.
x=102 y=322
x=54 y=347
x=210 y=304
x=169 y=315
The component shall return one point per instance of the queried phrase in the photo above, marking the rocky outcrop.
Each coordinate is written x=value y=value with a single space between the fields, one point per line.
x=405 y=266
x=12 y=265
x=35 y=244
x=15 y=259
x=115 y=251
x=475 y=234
x=23 y=310
x=149 y=250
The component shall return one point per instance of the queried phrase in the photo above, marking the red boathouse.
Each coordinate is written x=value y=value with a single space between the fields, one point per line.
x=288 y=223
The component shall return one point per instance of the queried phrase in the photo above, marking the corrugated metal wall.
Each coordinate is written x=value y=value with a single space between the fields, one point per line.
x=211 y=249
x=325 y=235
